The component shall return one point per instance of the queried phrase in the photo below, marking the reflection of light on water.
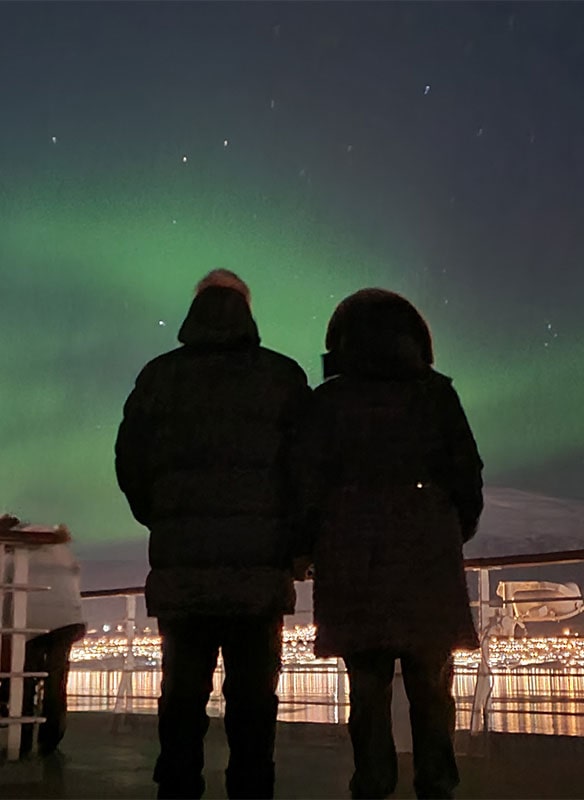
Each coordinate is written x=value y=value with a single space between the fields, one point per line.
x=306 y=696
x=529 y=700
x=538 y=700
x=529 y=696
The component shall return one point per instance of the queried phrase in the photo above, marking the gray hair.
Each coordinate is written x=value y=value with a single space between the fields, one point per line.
x=226 y=278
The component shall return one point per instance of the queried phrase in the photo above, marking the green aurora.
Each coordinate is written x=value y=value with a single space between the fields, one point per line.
x=102 y=279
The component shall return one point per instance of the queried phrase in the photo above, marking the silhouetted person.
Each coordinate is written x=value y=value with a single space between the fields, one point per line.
x=394 y=489
x=60 y=610
x=204 y=457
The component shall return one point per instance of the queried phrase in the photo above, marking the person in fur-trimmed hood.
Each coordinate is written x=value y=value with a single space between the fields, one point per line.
x=204 y=456
x=393 y=490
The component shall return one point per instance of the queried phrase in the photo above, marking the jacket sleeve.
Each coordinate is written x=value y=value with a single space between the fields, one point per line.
x=133 y=447
x=316 y=462
x=465 y=465
x=295 y=417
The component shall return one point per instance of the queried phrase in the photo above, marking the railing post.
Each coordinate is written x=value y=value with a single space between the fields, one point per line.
x=341 y=688
x=484 y=684
x=18 y=637
x=130 y=630
x=484 y=598
x=124 y=694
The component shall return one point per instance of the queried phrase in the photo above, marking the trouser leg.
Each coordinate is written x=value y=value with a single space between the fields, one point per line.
x=428 y=682
x=370 y=677
x=54 y=705
x=189 y=655
x=251 y=654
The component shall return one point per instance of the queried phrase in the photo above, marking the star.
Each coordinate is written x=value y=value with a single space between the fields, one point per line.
x=54 y=139
x=427 y=89
x=225 y=142
x=185 y=159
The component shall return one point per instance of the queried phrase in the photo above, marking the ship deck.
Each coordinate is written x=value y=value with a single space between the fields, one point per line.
x=111 y=756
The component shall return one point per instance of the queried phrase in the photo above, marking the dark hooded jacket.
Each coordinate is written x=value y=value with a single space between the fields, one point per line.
x=392 y=485
x=204 y=456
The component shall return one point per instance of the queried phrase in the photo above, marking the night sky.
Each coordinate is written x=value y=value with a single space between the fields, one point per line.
x=434 y=149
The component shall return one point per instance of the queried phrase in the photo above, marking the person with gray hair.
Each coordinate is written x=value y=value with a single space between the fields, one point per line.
x=226 y=278
x=204 y=455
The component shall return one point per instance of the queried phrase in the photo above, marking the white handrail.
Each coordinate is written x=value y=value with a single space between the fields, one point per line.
x=14 y=589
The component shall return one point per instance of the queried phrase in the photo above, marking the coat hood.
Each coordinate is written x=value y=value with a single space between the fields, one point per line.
x=379 y=334
x=219 y=317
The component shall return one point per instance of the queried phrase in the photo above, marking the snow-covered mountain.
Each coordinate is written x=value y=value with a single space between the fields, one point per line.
x=513 y=523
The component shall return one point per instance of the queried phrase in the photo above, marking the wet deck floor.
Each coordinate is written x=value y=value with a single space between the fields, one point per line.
x=313 y=761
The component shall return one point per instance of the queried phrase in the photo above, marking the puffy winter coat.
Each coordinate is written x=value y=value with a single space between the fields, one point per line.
x=204 y=456
x=394 y=481
x=54 y=567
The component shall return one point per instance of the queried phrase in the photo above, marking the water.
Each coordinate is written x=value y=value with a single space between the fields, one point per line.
x=525 y=700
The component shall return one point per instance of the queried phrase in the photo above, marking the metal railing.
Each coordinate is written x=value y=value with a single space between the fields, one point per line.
x=481 y=705
x=482 y=700
x=15 y=548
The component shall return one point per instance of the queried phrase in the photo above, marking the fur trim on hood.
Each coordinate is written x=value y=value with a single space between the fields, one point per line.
x=377 y=333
